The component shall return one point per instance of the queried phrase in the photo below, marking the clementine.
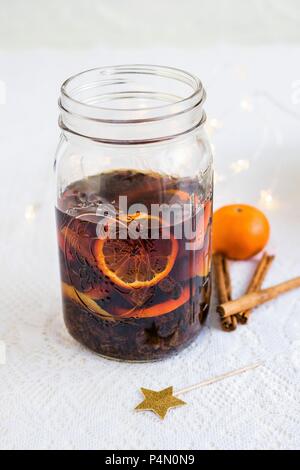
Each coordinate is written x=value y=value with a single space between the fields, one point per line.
x=239 y=231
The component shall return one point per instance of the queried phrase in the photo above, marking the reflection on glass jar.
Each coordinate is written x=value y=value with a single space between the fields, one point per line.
x=134 y=207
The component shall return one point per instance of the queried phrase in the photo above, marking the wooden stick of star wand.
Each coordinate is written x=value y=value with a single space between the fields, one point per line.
x=219 y=378
x=161 y=401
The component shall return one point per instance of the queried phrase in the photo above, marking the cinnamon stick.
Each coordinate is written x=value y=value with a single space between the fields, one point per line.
x=256 y=283
x=252 y=300
x=223 y=283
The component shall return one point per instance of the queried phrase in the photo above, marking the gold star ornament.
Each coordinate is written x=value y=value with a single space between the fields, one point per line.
x=159 y=402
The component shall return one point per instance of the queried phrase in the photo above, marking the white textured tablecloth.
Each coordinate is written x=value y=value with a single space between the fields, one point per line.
x=56 y=394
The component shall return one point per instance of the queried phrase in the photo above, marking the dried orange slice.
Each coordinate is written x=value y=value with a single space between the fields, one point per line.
x=84 y=301
x=69 y=238
x=177 y=196
x=135 y=263
x=159 y=309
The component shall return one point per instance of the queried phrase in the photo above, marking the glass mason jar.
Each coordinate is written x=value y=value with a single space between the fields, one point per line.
x=133 y=207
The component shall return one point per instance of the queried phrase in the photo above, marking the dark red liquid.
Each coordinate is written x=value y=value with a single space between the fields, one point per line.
x=133 y=299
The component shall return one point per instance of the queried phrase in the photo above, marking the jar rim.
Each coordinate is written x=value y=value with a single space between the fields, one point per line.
x=159 y=70
x=171 y=92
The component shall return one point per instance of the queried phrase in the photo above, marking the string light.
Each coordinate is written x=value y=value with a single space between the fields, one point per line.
x=215 y=123
x=212 y=125
x=31 y=211
x=266 y=199
x=219 y=178
x=240 y=165
x=246 y=105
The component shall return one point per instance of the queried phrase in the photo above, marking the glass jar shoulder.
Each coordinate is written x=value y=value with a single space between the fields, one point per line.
x=186 y=156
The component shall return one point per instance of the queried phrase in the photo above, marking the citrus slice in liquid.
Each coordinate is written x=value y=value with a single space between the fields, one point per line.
x=174 y=196
x=84 y=301
x=135 y=263
x=158 y=309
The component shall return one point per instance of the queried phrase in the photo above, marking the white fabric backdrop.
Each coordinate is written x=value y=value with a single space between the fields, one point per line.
x=54 y=393
x=140 y=23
